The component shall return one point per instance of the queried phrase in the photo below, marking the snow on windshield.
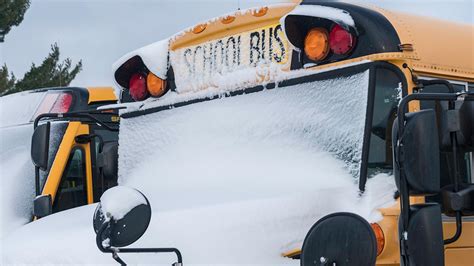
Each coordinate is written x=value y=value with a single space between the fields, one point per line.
x=248 y=146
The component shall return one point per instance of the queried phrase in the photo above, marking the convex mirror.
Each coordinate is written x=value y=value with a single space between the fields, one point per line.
x=121 y=217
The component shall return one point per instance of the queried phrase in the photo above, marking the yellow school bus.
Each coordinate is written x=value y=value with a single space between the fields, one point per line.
x=273 y=47
x=73 y=148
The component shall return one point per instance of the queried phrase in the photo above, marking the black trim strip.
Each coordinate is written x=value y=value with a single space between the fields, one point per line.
x=368 y=126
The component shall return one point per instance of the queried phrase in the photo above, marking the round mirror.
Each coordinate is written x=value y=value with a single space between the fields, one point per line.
x=340 y=238
x=127 y=213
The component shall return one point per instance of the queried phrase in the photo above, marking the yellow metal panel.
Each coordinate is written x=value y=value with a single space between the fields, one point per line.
x=62 y=156
x=244 y=21
x=467 y=236
x=89 y=184
x=101 y=94
x=440 y=47
x=459 y=256
x=55 y=173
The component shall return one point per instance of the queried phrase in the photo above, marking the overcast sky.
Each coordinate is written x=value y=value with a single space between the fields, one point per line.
x=101 y=31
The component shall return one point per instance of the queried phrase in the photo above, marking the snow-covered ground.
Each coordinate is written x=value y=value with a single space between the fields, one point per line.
x=237 y=180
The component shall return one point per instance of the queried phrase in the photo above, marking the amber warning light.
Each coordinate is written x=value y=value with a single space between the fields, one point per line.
x=320 y=45
x=141 y=86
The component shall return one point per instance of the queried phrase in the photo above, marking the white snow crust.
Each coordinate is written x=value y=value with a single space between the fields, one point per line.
x=116 y=202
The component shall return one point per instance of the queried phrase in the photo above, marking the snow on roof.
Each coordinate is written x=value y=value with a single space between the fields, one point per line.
x=154 y=56
x=335 y=14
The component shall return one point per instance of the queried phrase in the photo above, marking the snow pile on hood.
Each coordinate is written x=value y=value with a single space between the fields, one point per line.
x=116 y=202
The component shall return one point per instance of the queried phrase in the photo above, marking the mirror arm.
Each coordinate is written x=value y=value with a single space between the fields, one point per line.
x=458 y=229
x=73 y=115
x=454 y=144
x=115 y=251
x=153 y=250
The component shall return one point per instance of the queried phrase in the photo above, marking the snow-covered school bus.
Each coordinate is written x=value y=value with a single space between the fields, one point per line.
x=268 y=136
x=70 y=175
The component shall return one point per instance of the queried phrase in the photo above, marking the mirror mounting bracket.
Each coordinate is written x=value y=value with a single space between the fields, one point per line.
x=114 y=251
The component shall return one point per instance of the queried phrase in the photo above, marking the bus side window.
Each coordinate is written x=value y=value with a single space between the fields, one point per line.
x=72 y=189
x=386 y=97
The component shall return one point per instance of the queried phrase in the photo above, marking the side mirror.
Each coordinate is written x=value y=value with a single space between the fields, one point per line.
x=42 y=206
x=40 y=146
x=418 y=149
x=340 y=239
x=109 y=160
x=122 y=217
x=425 y=235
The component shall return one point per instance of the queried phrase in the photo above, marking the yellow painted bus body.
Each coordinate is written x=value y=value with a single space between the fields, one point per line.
x=432 y=48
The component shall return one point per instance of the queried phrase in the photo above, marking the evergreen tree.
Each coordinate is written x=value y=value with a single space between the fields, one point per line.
x=51 y=73
x=6 y=82
x=11 y=14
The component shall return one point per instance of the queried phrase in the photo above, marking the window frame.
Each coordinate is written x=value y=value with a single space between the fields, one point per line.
x=370 y=113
